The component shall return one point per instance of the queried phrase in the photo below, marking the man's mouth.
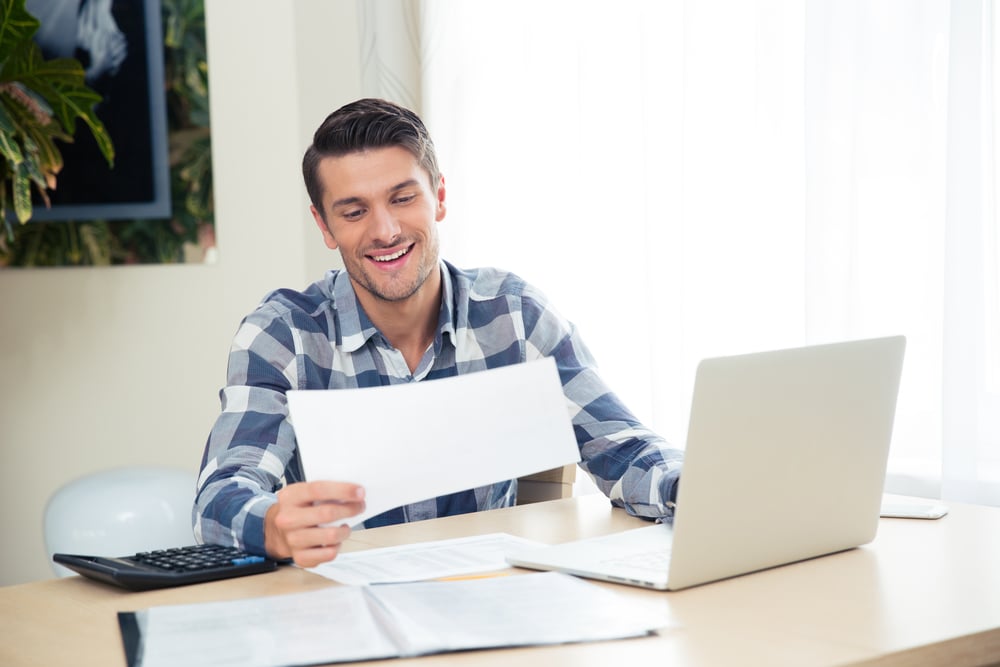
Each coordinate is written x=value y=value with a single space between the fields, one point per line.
x=392 y=256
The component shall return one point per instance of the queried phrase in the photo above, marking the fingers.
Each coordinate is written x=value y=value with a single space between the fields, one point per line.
x=313 y=546
x=323 y=491
x=310 y=504
x=303 y=524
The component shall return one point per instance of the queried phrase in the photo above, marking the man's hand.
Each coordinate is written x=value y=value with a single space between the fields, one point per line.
x=293 y=527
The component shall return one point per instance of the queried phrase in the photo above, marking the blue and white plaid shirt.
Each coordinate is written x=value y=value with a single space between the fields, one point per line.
x=322 y=339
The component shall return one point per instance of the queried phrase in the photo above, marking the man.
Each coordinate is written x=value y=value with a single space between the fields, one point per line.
x=396 y=313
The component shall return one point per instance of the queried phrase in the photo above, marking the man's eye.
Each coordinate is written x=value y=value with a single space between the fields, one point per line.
x=404 y=199
x=353 y=214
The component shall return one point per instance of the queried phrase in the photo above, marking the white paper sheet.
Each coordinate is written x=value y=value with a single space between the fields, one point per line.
x=350 y=623
x=520 y=610
x=295 y=629
x=411 y=442
x=424 y=560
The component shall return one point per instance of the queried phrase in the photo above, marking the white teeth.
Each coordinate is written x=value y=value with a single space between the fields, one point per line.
x=389 y=258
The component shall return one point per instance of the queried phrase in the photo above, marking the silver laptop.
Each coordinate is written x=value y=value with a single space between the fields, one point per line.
x=785 y=460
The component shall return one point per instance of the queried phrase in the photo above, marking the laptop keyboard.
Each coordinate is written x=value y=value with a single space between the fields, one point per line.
x=655 y=561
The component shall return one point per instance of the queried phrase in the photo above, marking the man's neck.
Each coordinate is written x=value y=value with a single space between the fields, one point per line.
x=409 y=325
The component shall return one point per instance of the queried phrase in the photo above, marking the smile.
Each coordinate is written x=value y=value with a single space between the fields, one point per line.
x=389 y=258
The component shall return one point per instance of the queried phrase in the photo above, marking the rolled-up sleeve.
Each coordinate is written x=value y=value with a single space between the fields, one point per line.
x=250 y=451
x=636 y=468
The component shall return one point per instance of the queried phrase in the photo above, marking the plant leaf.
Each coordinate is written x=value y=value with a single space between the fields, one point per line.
x=21 y=191
x=16 y=27
x=49 y=158
x=8 y=146
x=61 y=83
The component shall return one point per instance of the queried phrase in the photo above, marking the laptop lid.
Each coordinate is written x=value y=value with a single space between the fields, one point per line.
x=785 y=460
x=786 y=457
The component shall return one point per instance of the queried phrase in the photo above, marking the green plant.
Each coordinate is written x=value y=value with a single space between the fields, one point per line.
x=40 y=102
x=106 y=242
x=188 y=117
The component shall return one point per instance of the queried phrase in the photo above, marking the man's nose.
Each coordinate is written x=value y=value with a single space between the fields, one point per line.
x=385 y=227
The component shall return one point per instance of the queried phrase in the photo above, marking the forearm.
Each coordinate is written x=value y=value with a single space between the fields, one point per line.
x=230 y=511
x=249 y=455
x=636 y=469
x=649 y=486
x=630 y=464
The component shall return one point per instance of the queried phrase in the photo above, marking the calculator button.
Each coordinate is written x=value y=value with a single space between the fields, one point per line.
x=247 y=560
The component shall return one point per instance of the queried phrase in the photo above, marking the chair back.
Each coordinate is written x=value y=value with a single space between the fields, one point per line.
x=546 y=485
x=119 y=512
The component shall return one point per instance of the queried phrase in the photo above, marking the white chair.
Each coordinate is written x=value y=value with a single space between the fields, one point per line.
x=119 y=512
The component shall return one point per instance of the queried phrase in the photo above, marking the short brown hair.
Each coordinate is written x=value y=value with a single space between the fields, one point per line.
x=365 y=124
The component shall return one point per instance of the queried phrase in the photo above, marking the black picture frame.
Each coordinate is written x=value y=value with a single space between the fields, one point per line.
x=133 y=110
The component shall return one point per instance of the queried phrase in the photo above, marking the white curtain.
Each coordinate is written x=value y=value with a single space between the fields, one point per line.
x=689 y=179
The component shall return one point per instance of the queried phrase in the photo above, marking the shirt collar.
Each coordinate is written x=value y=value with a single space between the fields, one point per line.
x=447 y=316
x=356 y=328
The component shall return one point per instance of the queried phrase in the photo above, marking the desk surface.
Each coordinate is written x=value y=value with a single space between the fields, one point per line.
x=924 y=592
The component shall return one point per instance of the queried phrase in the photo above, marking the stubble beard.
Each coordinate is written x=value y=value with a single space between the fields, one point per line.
x=394 y=290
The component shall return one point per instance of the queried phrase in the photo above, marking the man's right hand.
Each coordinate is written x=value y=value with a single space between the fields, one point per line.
x=294 y=527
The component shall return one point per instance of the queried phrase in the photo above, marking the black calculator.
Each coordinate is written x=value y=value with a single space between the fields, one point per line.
x=168 y=567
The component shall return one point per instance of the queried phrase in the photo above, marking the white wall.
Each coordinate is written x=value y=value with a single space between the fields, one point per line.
x=101 y=367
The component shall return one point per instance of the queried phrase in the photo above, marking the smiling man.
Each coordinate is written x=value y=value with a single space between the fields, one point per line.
x=379 y=208
x=397 y=313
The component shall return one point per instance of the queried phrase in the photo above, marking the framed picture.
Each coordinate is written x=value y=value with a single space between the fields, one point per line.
x=120 y=45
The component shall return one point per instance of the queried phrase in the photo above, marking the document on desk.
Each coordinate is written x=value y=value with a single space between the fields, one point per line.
x=349 y=623
x=424 y=560
x=411 y=442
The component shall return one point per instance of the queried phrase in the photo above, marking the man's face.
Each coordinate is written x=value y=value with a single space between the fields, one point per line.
x=381 y=213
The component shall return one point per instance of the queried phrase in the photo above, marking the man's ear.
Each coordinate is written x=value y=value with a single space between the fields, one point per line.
x=442 y=208
x=328 y=239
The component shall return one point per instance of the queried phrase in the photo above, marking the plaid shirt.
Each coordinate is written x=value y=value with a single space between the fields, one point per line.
x=322 y=339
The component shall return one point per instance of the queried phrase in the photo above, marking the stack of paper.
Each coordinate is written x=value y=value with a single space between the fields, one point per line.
x=348 y=623
x=420 y=561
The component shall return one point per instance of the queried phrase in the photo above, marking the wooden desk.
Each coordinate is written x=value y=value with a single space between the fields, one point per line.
x=924 y=593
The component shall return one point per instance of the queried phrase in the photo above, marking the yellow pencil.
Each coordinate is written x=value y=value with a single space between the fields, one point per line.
x=485 y=575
